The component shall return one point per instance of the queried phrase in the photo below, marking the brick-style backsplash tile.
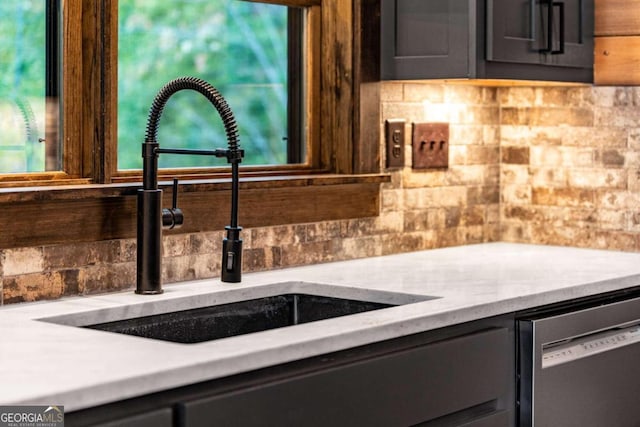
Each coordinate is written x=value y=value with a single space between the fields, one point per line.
x=418 y=92
x=633 y=138
x=473 y=215
x=568 y=197
x=584 y=190
x=611 y=220
x=483 y=195
x=517 y=96
x=390 y=200
x=277 y=236
x=32 y=287
x=633 y=180
x=621 y=240
x=516 y=194
x=416 y=221
x=421 y=180
x=514 y=174
x=210 y=243
x=634 y=221
x=549 y=156
x=548 y=116
x=353 y=248
x=127 y=250
x=392 y=92
x=22 y=261
x=71 y=282
x=515 y=155
x=548 y=177
x=615 y=117
x=616 y=199
x=80 y=254
x=409 y=242
x=600 y=178
x=546 y=165
x=613 y=158
x=468 y=95
x=175 y=245
x=468 y=175
x=307 y=253
x=108 y=277
x=256 y=259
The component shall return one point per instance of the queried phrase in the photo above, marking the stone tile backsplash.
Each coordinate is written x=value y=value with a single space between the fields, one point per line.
x=572 y=179
x=548 y=165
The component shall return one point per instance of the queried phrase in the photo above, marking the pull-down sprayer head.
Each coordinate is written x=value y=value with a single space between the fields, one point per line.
x=149 y=250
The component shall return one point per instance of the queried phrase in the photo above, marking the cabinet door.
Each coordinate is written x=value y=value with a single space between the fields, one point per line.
x=558 y=33
x=425 y=39
x=460 y=381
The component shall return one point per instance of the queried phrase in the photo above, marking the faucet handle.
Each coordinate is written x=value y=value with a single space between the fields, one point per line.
x=173 y=217
x=174 y=198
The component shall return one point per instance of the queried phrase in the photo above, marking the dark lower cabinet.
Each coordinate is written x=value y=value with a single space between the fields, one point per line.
x=400 y=389
x=459 y=376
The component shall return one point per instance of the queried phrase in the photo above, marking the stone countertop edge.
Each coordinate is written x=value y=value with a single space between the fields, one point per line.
x=47 y=363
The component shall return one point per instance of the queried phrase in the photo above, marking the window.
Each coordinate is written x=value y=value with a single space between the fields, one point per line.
x=244 y=49
x=338 y=177
x=29 y=86
x=319 y=130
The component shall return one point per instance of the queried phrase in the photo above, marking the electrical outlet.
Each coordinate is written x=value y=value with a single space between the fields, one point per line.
x=430 y=146
x=394 y=131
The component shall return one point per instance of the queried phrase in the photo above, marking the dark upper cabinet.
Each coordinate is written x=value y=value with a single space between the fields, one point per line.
x=487 y=39
x=424 y=38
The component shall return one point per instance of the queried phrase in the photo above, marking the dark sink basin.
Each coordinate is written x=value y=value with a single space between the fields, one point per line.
x=237 y=318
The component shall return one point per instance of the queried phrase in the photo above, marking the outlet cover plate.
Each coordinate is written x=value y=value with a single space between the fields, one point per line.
x=430 y=146
x=394 y=137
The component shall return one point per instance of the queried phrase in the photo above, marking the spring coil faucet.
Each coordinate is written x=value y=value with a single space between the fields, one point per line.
x=152 y=218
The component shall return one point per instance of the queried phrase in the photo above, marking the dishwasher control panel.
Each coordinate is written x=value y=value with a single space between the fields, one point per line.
x=576 y=348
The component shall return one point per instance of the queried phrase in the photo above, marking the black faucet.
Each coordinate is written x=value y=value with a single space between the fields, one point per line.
x=152 y=218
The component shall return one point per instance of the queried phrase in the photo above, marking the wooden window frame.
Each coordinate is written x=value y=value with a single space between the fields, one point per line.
x=311 y=164
x=92 y=201
x=70 y=108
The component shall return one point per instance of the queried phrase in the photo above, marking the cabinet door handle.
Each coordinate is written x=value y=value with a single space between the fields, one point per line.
x=550 y=16
x=560 y=6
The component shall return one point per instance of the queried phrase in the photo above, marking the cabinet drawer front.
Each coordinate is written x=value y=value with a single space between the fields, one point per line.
x=158 y=418
x=398 y=389
x=499 y=419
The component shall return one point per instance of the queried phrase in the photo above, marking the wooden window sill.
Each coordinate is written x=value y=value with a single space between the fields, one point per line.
x=46 y=215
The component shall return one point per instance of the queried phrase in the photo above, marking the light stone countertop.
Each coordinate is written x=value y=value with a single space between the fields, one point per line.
x=46 y=363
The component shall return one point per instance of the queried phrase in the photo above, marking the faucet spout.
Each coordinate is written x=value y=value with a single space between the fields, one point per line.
x=149 y=217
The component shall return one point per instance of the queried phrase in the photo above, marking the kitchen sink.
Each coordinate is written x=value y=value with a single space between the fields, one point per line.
x=243 y=317
x=237 y=312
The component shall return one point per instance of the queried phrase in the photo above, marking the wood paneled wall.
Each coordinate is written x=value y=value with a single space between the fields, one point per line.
x=617 y=43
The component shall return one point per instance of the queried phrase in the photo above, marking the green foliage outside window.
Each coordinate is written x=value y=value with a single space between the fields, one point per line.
x=22 y=85
x=239 y=47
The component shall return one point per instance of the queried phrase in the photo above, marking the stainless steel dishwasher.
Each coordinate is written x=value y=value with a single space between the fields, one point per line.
x=581 y=368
